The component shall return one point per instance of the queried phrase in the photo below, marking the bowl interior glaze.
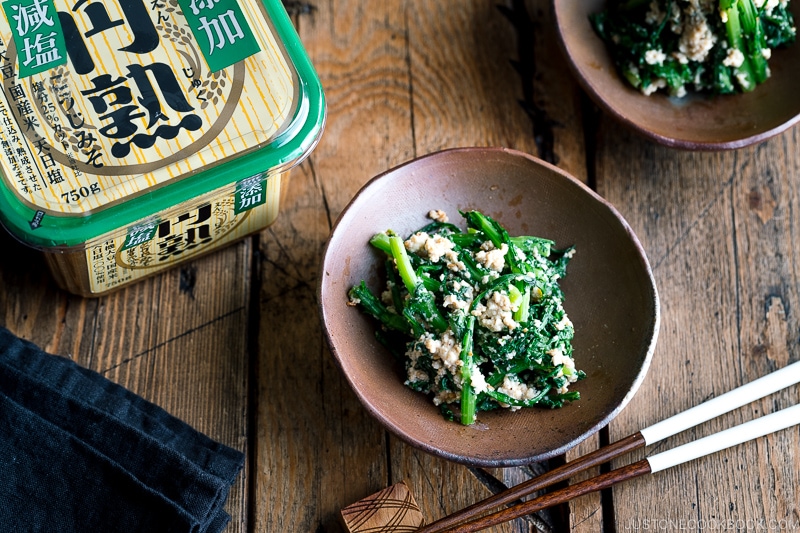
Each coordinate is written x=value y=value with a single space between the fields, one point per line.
x=610 y=296
x=694 y=122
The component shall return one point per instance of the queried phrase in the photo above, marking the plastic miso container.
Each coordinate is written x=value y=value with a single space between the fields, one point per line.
x=138 y=134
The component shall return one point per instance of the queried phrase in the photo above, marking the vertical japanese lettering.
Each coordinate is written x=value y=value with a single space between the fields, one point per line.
x=37 y=34
x=140 y=234
x=221 y=29
x=184 y=233
x=250 y=193
x=140 y=104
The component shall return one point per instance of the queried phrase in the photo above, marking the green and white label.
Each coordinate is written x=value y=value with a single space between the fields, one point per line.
x=140 y=234
x=221 y=30
x=37 y=35
x=250 y=193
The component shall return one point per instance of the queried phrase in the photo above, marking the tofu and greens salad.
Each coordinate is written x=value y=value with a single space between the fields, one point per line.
x=681 y=46
x=476 y=316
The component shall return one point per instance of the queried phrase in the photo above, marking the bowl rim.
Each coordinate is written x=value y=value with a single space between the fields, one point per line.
x=671 y=142
x=504 y=461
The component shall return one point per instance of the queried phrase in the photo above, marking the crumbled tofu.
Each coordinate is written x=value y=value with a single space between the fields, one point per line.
x=438 y=215
x=434 y=248
x=655 y=57
x=656 y=84
x=741 y=77
x=490 y=276
x=386 y=296
x=446 y=349
x=564 y=323
x=464 y=292
x=513 y=388
x=477 y=380
x=453 y=263
x=497 y=313
x=491 y=257
x=697 y=39
x=453 y=302
x=416 y=242
x=416 y=376
x=680 y=57
x=437 y=246
x=559 y=358
x=413 y=354
x=446 y=397
x=462 y=285
x=698 y=82
x=734 y=59
x=676 y=20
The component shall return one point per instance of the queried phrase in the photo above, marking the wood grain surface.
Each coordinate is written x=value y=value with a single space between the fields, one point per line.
x=718 y=229
x=232 y=342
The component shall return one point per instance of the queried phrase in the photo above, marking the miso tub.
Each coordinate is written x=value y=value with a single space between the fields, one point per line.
x=135 y=135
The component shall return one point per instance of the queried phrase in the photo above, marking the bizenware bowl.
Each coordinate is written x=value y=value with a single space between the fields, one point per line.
x=610 y=296
x=693 y=122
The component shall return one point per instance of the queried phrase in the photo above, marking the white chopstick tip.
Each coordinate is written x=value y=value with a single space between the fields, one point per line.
x=753 y=429
x=749 y=392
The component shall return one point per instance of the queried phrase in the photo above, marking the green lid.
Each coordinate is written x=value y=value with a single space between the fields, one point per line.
x=115 y=111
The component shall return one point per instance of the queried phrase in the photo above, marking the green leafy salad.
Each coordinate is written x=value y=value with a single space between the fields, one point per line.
x=710 y=46
x=476 y=316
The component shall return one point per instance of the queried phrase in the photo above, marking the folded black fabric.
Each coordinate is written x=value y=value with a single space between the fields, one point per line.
x=79 y=453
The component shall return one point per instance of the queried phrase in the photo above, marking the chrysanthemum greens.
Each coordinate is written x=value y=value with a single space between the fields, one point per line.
x=476 y=316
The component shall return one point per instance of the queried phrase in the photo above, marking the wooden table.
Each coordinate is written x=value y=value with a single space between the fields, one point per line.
x=232 y=344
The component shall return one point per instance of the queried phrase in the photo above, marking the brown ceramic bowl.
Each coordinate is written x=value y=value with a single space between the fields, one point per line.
x=610 y=297
x=693 y=122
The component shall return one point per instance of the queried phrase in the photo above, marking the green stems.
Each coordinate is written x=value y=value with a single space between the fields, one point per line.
x=373 y=306
x=495 y=233
x=445 y=305
x=468 y=396
x=522 y=313
x=425 y=303
x=407 y=273
x=746 y=34
x=381 y=242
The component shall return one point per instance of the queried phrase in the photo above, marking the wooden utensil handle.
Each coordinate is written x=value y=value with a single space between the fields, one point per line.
x=557 y=497
x=565 y=471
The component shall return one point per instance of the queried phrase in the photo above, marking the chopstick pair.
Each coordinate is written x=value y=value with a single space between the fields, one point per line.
x=469 y=519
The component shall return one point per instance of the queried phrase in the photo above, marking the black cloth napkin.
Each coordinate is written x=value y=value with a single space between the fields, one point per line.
x=81 y=454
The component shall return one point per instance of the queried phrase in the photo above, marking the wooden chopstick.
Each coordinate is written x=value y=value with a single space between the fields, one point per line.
x=703 y=412
x=561 y=473
x=753 y=429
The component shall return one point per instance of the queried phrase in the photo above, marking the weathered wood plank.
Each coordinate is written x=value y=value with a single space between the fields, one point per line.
x=715 y=227
x=318 y=450
x=586 y=512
